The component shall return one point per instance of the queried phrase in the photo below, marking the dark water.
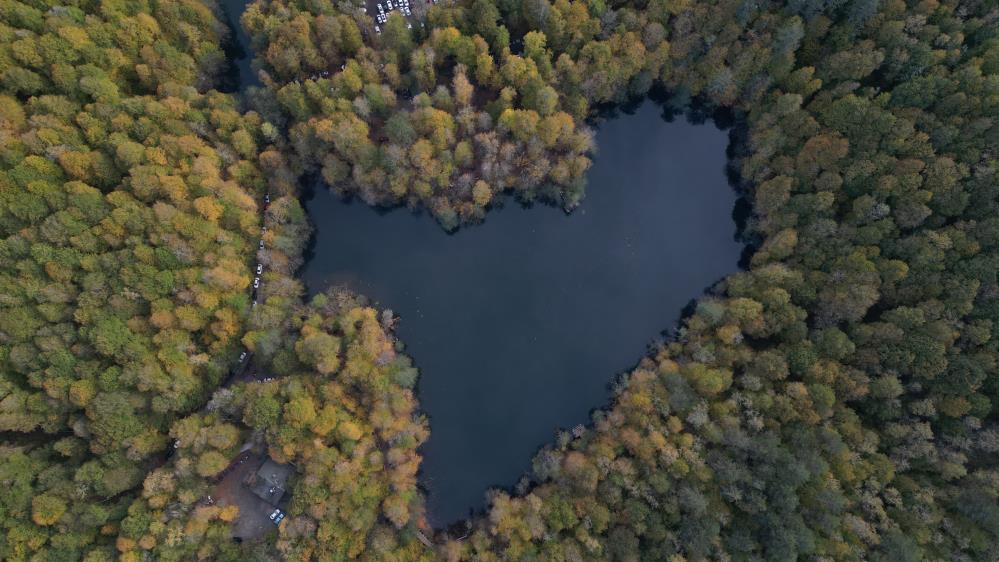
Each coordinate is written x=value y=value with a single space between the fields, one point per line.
x=519 y=324
x=239 y=50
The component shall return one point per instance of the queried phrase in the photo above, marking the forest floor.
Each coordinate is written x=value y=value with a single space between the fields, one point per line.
x=253 y=520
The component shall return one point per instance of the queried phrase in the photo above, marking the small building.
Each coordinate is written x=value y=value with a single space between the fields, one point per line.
x=269 y=481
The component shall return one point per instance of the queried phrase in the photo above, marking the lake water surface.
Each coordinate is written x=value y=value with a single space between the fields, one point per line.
x=519 y=324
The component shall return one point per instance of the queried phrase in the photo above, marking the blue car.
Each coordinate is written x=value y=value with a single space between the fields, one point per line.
x=277 y=516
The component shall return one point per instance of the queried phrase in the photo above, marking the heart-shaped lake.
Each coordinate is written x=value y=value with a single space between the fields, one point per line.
x=519 y=324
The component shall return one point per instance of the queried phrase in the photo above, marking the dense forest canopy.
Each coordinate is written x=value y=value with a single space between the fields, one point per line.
x=128 y=219
x=838 y=399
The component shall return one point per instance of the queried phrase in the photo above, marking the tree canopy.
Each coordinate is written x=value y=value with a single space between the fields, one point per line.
x=835 y=400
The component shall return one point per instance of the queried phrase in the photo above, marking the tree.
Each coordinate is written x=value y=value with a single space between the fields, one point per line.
x=47 y=510
x=211 y=463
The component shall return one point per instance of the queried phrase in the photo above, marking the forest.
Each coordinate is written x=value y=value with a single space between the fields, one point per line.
x=838 y=399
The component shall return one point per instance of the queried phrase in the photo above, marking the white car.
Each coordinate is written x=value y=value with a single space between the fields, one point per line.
x=256 y=282
x=260 y=269
x=261 y=244
x=242 y=357
x=267 y=198
x=276 y=516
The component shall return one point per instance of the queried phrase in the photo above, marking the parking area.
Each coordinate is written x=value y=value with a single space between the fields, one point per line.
x=253 y=520
x=379 y=10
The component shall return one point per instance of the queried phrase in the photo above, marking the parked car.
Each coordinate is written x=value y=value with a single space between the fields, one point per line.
x=267 y=198
x=260 y=269
x=256 y=282
x=276 y=516
x=242 y=357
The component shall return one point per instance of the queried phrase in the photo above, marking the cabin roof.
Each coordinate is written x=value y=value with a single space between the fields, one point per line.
x=269 y=485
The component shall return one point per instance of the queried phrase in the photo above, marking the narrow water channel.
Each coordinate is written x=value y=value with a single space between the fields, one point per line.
x=238 y=49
